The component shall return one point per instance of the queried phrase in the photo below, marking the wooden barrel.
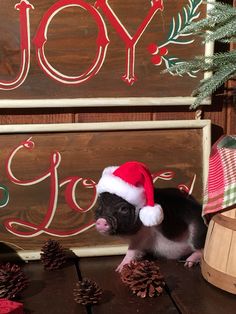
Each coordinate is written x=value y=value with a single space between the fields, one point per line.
x=218 y=264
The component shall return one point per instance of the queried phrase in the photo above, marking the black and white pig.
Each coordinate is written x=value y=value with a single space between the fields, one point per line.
x=165 y=222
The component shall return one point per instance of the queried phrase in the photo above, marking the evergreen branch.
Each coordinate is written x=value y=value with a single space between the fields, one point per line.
x=181 y=41
x=228 y=29
x=178 y=24
x=209 y=63
x=174 y=66
x=209 y=86
x=228 y=40
x=220 y=14
x=180 y=68
x=220 y=24
x=176 y=35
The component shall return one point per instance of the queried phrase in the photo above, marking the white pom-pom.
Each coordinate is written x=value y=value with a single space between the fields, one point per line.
x=151 y=215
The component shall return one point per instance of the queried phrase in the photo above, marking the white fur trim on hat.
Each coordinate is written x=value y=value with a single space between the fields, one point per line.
x=151 y=216
x=115 y=185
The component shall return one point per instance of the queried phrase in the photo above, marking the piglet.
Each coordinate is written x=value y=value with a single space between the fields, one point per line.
x=164 y=222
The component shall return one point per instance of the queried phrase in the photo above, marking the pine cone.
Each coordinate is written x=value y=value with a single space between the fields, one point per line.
x=143 y=278
x=12 y=281
x=53 y=255
x=87 y=292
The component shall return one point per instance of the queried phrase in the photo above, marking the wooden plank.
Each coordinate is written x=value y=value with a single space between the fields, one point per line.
x=194 y=295
x=50 y=292
x=28 y=116
x=187 y=287
x=49 y=174
x=113 y=114
x=220 y=238
x=73 y=64
x=117 y=298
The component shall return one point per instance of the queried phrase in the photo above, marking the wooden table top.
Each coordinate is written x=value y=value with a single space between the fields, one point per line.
x=51 y=292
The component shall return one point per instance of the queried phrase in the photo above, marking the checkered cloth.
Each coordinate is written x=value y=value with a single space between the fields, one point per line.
x=220 y=192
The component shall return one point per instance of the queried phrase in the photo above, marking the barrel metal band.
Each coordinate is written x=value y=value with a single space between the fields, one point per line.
x=227 y=222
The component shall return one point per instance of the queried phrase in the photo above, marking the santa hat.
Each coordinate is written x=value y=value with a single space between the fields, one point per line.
x=133 y=182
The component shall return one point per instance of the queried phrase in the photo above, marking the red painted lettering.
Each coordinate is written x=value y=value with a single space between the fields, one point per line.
x=72 y=183
x=102 y=41
x=24 y=6
x=52 y=174
x=130 y=41
x=41 y=39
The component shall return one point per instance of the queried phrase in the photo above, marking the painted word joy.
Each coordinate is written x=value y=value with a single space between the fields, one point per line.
x=102 y=42
x=73 y=187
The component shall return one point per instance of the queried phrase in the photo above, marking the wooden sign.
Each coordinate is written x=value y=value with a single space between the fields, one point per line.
x=49 y=175
x=86 y=53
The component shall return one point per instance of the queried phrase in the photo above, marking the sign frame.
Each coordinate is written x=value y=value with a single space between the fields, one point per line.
x=110 y=101
x=204 y=125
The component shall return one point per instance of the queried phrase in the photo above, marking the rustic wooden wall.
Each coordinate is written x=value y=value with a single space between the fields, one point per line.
x=222 y=114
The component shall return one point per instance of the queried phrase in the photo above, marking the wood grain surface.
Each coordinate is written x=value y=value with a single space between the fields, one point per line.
x=188 y=292
x=71 y=48
x=41 y=206
x=116 y=296
x=50 y=292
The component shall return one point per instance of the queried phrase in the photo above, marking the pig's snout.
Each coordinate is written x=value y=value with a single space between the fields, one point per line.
x=102 y=225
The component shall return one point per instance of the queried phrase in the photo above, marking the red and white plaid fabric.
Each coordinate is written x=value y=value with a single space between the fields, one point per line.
x=220 y=192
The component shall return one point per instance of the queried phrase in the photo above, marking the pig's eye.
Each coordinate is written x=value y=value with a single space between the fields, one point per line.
x=98 y=209
x=124 y=210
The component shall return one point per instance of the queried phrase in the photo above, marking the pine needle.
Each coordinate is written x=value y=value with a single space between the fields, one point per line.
x=219 y=25
x=209 y=85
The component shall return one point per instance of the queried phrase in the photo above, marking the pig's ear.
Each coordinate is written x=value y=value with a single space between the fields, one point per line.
x=151 y=215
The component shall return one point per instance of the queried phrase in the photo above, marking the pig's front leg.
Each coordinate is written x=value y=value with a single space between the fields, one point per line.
x=130 y=256
x=193 y=259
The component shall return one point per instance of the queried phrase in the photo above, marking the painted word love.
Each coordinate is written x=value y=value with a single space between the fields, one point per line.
x=102 y=42
x=26 y=229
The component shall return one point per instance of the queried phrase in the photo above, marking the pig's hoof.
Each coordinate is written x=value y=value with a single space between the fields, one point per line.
x=120 y=267
x=193 y=259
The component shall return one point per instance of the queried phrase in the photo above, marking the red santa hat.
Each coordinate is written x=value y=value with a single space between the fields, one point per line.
x=133 y=182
